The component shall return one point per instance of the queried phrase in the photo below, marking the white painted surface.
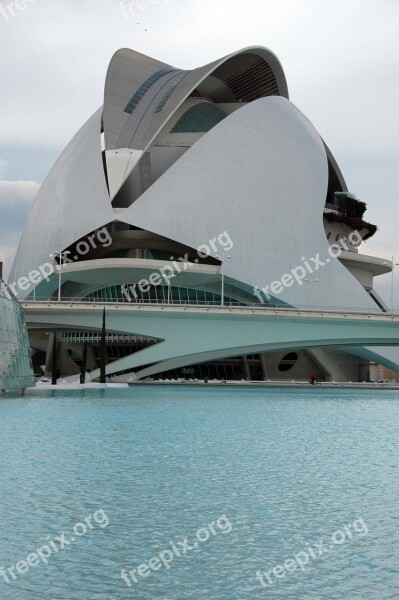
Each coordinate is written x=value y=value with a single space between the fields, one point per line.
x=261 y=175
x=120 y=163
x=72 y=202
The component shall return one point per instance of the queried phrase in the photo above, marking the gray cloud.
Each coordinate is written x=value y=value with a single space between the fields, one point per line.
x=3 y=167
x=15 y=202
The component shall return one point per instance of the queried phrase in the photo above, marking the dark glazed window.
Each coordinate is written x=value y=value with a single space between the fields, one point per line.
x=288 y=361
x=200 y=118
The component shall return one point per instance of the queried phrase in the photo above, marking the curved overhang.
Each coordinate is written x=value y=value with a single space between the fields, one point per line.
x=84 y=278
x=266 y=77
x=276 y=85
x=335 y=171
x=373 y=264
x=126 y=72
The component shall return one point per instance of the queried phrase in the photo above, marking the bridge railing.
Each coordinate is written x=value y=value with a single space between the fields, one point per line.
x=146 y=301
x=213 y=304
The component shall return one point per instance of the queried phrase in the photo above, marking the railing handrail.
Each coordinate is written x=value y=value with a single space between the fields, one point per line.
x=217 y=305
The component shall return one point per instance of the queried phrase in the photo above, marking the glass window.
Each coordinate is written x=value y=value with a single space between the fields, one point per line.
x=288 y=361
x=200 y=118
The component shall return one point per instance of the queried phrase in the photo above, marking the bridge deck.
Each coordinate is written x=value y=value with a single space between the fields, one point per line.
x=329 y=313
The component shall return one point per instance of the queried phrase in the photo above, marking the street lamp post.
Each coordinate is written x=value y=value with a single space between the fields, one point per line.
x=394 y=264
x=315 y=282
x=60 y=254
x=222 y=274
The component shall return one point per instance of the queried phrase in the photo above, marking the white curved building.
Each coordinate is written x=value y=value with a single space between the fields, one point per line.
x=217 y=170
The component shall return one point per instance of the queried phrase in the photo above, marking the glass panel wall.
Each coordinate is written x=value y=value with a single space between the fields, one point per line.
x=160 y=295
x=16 y=370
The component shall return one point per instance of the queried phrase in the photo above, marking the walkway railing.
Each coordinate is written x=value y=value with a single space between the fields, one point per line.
x=232 y=306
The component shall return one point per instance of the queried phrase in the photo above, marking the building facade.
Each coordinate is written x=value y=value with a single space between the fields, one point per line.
x=201 y=187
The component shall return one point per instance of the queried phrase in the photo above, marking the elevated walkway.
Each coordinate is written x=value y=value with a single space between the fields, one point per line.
x=192 y=334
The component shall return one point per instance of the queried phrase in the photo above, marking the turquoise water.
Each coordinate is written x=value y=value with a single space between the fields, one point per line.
x=274 y=470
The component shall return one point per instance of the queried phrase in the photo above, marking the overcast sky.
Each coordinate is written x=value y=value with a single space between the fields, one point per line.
x=341 y=59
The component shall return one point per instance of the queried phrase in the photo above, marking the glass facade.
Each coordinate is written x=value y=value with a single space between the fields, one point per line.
x=172 y=85
x=16 y=370
x=200 y=118
x=229 y=369
x=160 y=295
x=143 y=89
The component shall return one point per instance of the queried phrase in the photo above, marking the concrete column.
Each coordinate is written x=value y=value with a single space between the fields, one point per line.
x=49 y=353
x=264 y=366
x=247 y=371
x=91 y=359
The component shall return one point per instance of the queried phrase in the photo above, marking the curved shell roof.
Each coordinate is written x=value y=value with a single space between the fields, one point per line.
x=243 y=76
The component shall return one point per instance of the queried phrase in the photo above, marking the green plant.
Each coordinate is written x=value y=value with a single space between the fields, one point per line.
x=350 y=207
x=355 y=223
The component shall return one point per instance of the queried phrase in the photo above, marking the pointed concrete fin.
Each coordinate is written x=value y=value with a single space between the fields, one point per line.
x=120 y=163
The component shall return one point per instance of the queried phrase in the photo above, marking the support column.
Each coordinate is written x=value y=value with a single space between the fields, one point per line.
x=91 y=359
x=263 y=364
x=247 y=371
x=49 y=354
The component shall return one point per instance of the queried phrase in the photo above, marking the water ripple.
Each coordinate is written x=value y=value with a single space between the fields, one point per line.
x=287 y=467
